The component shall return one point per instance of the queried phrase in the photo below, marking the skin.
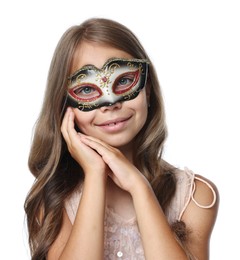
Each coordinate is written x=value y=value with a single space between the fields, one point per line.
x=113 y=180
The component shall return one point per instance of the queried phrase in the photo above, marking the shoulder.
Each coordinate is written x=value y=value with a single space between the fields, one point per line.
x=196 y=189
x=205 y=192
x=202 y=208
x=191 y=189
x=201 y=212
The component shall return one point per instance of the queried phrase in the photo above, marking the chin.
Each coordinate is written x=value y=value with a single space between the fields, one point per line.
x=118 y=142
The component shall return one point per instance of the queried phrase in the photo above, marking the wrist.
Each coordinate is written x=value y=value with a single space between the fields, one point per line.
x=94 y=178
x=140 y=187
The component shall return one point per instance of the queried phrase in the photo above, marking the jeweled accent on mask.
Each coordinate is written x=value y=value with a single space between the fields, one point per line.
x=117 y=81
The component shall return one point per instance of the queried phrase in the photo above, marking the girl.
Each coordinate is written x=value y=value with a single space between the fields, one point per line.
x=102 y=189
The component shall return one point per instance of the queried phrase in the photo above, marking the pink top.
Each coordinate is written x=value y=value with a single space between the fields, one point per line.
x=122 y=238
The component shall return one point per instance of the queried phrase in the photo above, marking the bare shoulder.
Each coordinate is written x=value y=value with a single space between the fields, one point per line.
x=204 y=203
x=201 y=214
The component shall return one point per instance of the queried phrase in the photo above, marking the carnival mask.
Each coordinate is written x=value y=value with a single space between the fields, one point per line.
x=118 y=80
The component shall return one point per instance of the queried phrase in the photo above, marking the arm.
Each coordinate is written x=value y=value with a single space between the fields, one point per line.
x=84 y=240
x=86 y=237
x=158 y=239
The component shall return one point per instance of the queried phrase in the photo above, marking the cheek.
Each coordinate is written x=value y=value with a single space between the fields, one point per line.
x=142 y=103
x=143 y=113
x=83 y=119
x=144 y=107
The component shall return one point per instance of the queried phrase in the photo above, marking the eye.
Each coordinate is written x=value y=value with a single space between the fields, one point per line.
x=125 y=82
x=86 y=92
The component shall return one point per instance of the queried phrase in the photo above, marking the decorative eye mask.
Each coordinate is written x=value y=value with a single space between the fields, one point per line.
x=118 y=80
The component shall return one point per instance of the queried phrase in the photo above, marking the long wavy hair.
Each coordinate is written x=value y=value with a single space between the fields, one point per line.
x=56 y=173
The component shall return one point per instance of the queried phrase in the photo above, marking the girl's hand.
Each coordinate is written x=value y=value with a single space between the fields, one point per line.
x=123 y=172
x=87 y=158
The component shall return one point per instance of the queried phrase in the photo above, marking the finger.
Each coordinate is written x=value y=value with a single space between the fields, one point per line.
x=94 y=143
x=93 y=140
x=107 y=152
x=64 y=125
x=70 y=123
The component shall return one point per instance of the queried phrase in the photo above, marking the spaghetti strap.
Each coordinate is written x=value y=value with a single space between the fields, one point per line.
x=210 y=187
x=193 y=189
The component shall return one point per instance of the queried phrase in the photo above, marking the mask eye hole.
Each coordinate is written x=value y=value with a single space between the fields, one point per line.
x=85 y=92
x=125 y=82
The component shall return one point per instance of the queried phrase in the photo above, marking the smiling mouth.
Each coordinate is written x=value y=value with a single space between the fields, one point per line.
x=114 y=122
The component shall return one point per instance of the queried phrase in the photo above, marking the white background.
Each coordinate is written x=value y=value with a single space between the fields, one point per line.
x=195 y=48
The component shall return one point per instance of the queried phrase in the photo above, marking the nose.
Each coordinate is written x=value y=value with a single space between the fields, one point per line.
x=114 y=106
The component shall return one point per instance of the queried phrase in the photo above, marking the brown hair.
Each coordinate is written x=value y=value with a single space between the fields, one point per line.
x=57 y=174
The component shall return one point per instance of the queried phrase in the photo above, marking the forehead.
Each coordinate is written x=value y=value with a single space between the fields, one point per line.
x=88 y=53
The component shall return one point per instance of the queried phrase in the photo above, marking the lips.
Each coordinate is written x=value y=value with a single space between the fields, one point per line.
x=113 y=122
